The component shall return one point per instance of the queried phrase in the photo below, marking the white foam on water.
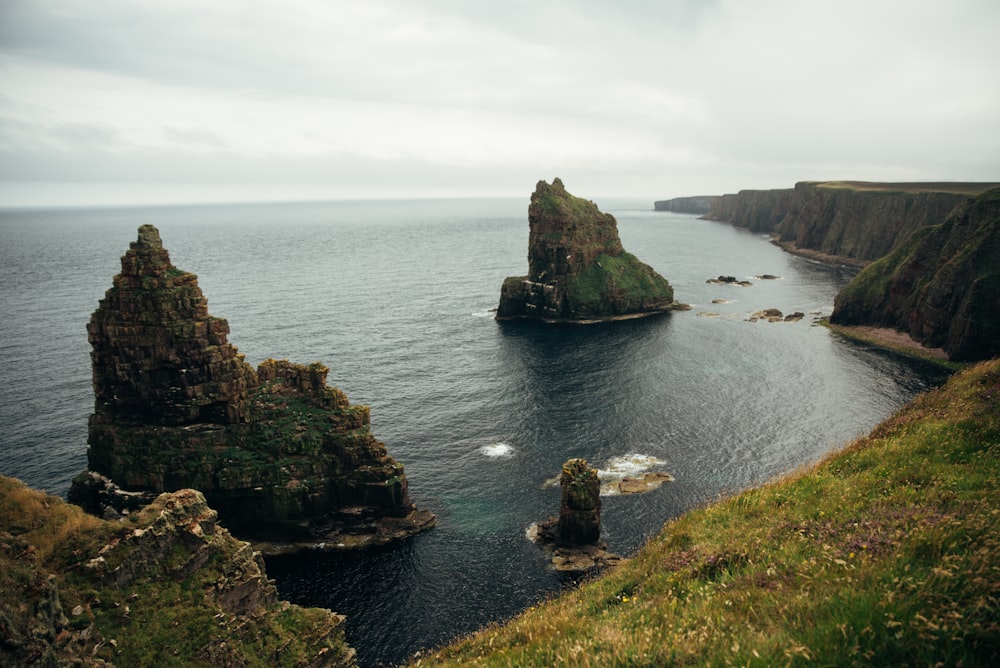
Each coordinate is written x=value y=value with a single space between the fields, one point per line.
x=626 y=466
x=632 y=465
x=497 y=450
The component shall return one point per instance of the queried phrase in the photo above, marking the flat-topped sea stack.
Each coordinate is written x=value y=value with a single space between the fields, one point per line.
x=276 y=451
x=577 y=268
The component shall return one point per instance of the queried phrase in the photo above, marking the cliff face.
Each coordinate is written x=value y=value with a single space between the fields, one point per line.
x=697 y=204
x=851 y=220
x=577 y=268
x=757 y=210
x=942 y=285
x=166 y=587
x=277 y=452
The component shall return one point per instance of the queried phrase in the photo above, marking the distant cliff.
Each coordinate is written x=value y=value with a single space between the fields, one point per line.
x=697 y=204
x=577 y=268
x=852 y=220
x=166 y=586
x=942 y=285
x=277 y=452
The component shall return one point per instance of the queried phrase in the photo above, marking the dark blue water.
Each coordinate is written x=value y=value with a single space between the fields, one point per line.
x=394 y=297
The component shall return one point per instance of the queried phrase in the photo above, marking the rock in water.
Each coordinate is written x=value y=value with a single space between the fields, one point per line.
x=577 y=268
x=275 y=450
x=574 y=536
x=580 y=510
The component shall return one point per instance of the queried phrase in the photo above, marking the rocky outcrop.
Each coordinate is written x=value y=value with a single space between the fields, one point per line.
x=575 y=534
x=577 y=268
x=699 y=204
x=168 y=586
x=275 y=450
x=942 y=285
x=845 y=220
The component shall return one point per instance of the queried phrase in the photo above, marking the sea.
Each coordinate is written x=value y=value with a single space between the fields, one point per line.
x=397 y=298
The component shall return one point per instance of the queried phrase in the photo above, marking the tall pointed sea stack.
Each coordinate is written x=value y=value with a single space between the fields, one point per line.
x=577 y=268
x=276 y=451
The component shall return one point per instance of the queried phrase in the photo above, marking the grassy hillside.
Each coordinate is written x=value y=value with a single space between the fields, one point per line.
x=887 y=553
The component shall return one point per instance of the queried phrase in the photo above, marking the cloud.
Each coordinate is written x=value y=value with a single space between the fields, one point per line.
x=645 y=97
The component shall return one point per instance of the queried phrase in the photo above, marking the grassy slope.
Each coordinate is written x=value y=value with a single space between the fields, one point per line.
x=887 y=553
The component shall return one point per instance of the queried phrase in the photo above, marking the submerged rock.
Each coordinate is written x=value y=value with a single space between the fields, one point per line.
x=277 y=452
x=577 y=268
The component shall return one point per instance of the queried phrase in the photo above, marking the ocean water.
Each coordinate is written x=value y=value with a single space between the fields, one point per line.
x=395 y=297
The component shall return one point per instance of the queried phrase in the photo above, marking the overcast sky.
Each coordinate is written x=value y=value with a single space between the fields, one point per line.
x=101 y=100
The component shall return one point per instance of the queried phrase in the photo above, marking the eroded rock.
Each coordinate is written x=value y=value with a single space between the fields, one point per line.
x=577 y=268
x=277 y=452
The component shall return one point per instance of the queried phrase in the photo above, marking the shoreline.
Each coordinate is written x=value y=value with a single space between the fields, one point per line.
x=891 y=339
x=819 y=256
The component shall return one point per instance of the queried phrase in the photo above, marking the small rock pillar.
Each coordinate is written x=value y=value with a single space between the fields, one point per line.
x=580 y=511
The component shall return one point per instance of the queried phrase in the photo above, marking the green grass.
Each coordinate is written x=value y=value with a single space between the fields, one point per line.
x=887 y=553
x=620 y=278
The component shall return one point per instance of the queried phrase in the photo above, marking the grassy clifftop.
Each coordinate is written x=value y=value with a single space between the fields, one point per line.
x=887 y=553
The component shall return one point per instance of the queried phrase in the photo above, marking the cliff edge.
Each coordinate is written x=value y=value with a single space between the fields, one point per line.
x=276 y=451
x=854 y=222
x=577 y=268
x=166 y=587
x=942 y=286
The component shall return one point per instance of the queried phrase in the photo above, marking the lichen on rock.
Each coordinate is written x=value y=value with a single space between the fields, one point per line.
x=577 y=268
x=277 y=452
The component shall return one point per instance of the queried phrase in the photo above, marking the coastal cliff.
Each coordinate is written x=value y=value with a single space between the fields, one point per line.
x=942 y=286
x=276 y=451
x=700 y=204
x=577 y=268
x=853 y=221
x=167 y=586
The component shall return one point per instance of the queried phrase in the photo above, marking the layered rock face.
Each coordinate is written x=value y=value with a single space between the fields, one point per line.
x=158 y=356
x=851 y=220
x=577 y=268
x=166 y=587
x=942 y=285
x=277 y=452
x=698 y=204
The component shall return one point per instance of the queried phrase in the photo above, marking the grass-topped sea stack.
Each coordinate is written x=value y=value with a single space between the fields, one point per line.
x=577 y=268
x=275 y=450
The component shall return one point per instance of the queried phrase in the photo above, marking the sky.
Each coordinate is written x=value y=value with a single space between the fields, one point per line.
x=129 y=101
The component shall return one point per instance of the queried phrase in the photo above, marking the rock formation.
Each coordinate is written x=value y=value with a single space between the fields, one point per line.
x=575 y=534
x=166 y=587
x=580 y=509
x=849 y=221
x=577 y=268
x=275 y=450
x=942 y=285
x=698 y=204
